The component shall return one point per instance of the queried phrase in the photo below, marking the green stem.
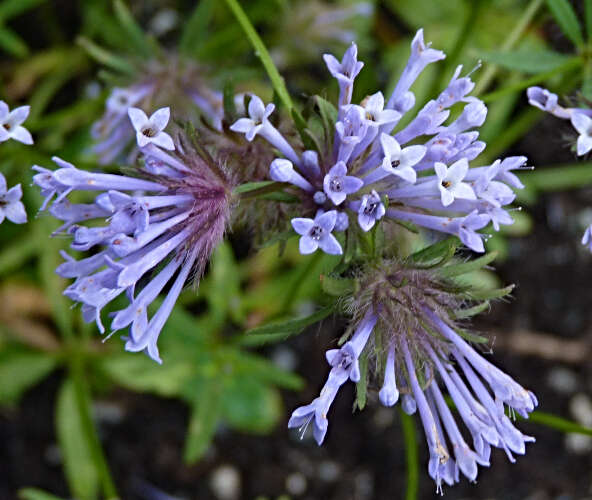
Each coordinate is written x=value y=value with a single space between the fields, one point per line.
x=84 y=404
x=523 y=22
x=411 y=456
x=262 y=53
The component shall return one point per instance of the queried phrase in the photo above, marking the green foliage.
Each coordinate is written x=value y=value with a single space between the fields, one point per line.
x=567 y=20
x=81 y=473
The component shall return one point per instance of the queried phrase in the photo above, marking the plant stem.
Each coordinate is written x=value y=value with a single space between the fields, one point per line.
x=84 y=401
x=262 y=53
x=411 y=456
x=513 y=37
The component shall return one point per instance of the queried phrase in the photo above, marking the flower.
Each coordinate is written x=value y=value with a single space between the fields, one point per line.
x=147 y=232
x=581 y=118
x=10 y=124
x=150 y=130
x=423 y=168
x=317 y=233
x=402 y=325
x=11 y=206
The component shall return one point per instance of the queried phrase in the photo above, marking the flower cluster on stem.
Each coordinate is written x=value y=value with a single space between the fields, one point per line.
x=421 y=171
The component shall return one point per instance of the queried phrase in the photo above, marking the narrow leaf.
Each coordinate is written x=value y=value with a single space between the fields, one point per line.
x=195 y=30
x=20 y=371
x=82 y=476
x=36 y=494
x=559 y=423
x=467 y=267
x=105 y=57
x=567 y=20
x=526 y=61
x=205 y=413
x=293 y=326
x=135 y=34
x=12 y=43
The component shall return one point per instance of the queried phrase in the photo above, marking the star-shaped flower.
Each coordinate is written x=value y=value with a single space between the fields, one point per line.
x=450 y=181
x=11 y=206
x=258 y=115
x=399 y=161
x=375 y=114
x=150 y=130
x=10 y=124
x=317 y=233
x=583 y=124
x=338 y=185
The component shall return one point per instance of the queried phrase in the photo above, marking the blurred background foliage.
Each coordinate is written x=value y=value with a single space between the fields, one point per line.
x=63 y=57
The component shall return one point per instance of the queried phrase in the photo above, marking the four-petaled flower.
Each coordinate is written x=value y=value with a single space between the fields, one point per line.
x=258 y=118
x=399 y=161
x=11 y=206
x=338 y=185
x=450 y=181
x=317 y=233
x=10 y=124
x=150 y=130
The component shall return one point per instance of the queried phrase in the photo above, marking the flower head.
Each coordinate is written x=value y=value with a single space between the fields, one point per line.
x=423 y=168
x=403 y=321
x=150 y=231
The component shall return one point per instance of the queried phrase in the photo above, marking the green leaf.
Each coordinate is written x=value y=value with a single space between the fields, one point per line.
x=205 y=413
x=435 y=254
x=82 y=476
x=15 y=255
x=36 y=494
x=558 y=177
x=12 y=43
x=336 y=286
x=256 y=187
x=21 y=370
x=224 y=285
x=526 y=61
x=250 y=406
x=141 y=374
x=496 y=293
x=12 y=8
x=195 y=30
x=293 y=326
x=467 y=267
x=362 y=384
x=587 y=83
x=411 y=455
x=105 y=57
x=588 y=15
x=471 y=311
x=135 y=35
x=567 y=20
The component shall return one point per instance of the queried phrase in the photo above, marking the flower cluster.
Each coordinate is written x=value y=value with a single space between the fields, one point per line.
x=405 y=331
x=158 y=227
x=371 y=170
x=581 y=118
x=178 y=83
